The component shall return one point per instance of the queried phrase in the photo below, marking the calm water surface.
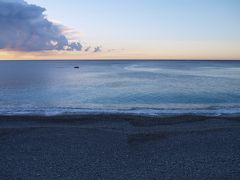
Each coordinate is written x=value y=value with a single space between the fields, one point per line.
x=148 y=87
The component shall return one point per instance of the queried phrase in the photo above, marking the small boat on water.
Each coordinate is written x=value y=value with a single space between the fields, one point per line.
x=76 y=67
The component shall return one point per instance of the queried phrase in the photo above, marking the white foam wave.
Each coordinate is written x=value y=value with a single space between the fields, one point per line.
x=134 y=111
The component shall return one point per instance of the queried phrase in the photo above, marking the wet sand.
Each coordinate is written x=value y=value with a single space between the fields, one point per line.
x=119 y=147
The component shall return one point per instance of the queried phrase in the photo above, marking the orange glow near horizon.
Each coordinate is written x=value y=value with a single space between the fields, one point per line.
x=14 y=55
x=165 y=50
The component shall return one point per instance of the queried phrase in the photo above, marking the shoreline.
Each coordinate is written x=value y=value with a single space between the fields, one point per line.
x=153 y=112
x=132 y=119
x=120 y=117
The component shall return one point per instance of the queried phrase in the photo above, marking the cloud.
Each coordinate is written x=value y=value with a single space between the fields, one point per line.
x=97 y=49
x=75 y=45
x=87 y=49
x=24 y=27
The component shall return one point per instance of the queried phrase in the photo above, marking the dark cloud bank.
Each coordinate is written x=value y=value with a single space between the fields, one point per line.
x=24 y=27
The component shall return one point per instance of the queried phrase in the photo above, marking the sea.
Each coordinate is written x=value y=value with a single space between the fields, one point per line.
x=143 y=87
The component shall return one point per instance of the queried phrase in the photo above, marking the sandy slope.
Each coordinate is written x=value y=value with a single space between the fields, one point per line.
x=119 y=147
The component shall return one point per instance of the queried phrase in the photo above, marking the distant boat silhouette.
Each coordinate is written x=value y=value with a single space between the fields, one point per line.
x=76 y=67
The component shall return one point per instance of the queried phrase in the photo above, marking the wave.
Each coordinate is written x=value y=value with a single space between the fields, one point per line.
x=211 y=111
x=215 y=72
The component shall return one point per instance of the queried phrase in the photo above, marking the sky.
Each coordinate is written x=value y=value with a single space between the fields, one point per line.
x=113 y=29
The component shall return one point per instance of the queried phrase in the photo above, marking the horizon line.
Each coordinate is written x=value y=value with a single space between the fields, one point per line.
x=123 y=59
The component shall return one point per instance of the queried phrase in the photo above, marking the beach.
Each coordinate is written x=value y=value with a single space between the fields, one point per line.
x=119 y=146
x=120 y=90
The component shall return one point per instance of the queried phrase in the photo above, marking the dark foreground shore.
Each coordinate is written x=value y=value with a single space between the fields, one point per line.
x=119 y=147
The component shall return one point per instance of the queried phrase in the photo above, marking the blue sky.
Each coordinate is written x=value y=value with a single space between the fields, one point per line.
x=160 y=26
x=149 y=19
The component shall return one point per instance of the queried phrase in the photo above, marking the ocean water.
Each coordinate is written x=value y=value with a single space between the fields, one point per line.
x=135 y=87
